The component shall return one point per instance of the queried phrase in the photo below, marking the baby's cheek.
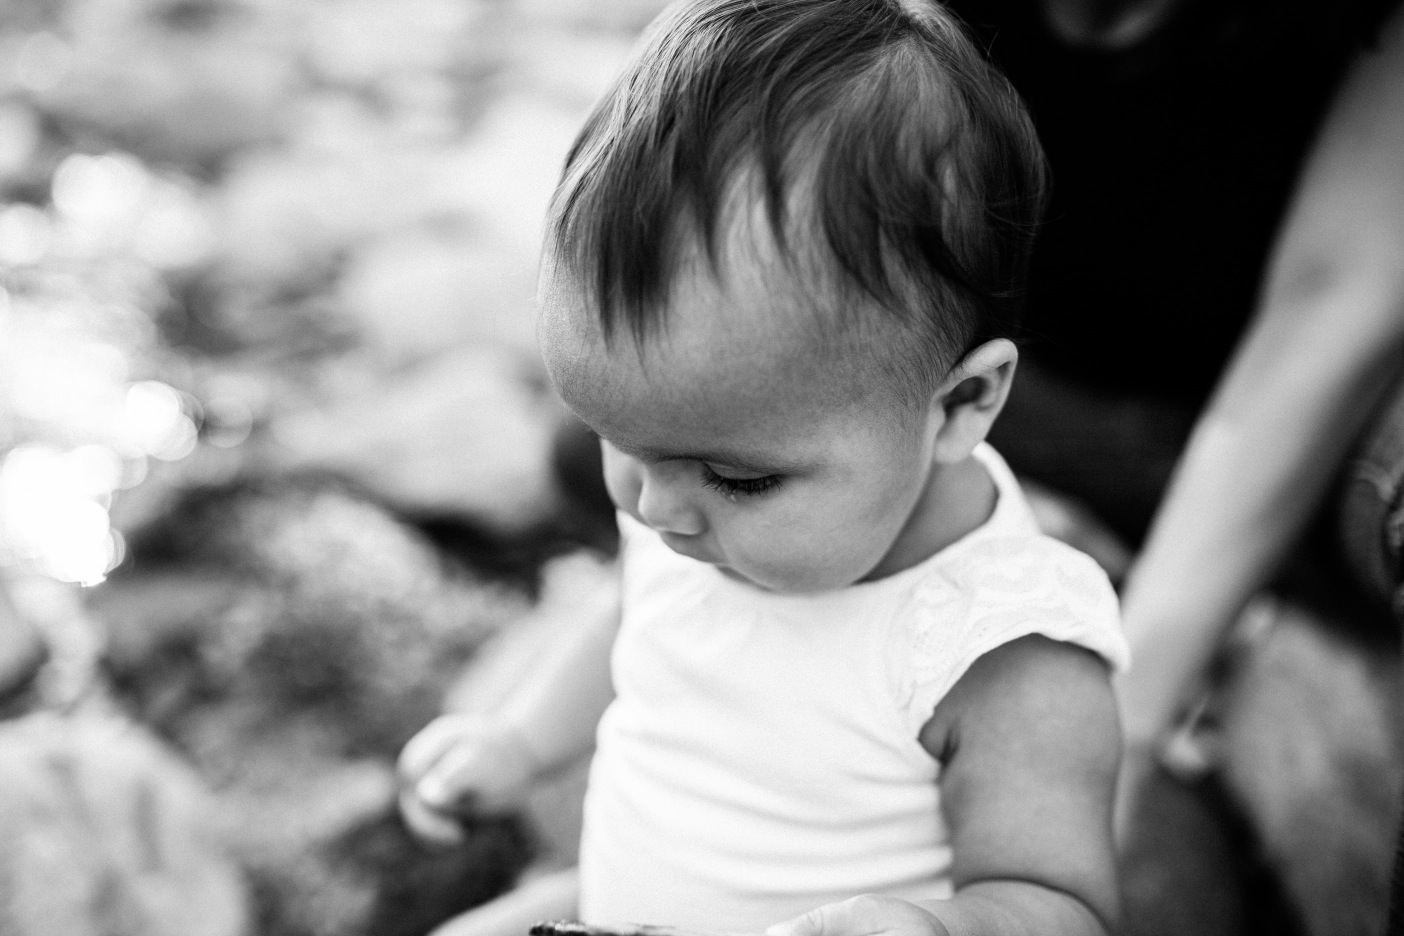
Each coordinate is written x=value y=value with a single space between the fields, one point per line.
x=788 y=563
x=837 y=557
x=756 y=555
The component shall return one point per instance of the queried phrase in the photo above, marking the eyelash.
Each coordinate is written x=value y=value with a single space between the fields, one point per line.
x=734 y=486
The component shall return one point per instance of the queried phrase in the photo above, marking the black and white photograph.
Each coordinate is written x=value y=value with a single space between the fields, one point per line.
x=701 y=468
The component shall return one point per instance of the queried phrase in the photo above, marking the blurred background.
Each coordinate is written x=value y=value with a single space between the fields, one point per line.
x=276 y=480
x=274 y=442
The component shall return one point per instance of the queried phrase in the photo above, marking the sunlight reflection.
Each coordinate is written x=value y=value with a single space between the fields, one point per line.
x=154 y=422
x=53 y=511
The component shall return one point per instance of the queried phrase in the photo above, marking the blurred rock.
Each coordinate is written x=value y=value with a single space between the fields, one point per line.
x=21 y=136
x=325 y=195
x=292 y=606
x=22 y=654
x=621 y=15
x=327 y=855
x=505 y=172
x=73 y=642
x=568 y=65
x=181 y=81
x=289 y=636
x=381 y=47
x=415 y=292
x=453 y=260
x=287 y=216
x=108 y=834
x=27 y=14
x=468 y=434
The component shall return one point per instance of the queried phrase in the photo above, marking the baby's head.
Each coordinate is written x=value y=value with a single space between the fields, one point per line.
x=781 y=273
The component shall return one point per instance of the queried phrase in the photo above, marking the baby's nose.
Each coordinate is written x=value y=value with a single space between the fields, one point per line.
x=664 y=503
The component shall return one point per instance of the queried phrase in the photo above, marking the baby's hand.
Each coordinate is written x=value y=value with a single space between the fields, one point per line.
x=867 y=915
x=459 y=765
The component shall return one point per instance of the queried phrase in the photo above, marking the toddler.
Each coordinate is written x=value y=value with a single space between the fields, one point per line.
x=851 y=689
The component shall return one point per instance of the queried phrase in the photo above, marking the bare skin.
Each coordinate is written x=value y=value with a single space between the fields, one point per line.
x=1027 y=809
x=744 y=448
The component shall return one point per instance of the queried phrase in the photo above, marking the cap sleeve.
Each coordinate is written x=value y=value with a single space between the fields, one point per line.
x=991 y=593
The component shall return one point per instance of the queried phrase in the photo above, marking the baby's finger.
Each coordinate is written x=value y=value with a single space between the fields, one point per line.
x=426 y=824
x=459 y=778
x=431 y=742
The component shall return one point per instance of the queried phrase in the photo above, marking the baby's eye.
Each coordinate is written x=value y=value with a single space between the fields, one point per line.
x=730 y=486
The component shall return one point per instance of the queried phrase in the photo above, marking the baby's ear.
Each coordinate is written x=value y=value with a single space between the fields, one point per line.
x=969 y=399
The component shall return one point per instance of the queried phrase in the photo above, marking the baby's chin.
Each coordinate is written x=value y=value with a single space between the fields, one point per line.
x=788 y=582
x=734 y=575
x=761 y=583
x=765 y=576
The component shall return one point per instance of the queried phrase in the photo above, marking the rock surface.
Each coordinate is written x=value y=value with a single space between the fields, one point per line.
x=289 y=636
x=22 y=651
x=108 y=833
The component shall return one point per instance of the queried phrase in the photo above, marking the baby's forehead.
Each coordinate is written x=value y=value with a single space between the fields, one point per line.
x=736 y=314
x=739 y=335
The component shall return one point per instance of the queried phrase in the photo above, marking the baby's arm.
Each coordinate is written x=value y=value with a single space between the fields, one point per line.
x=485 y=761
x=1029 y=745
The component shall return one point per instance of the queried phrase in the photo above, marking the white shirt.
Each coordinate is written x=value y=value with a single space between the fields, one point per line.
x=761 y=756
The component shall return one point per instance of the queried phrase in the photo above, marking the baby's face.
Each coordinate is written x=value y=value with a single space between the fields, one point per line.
x=738 y=437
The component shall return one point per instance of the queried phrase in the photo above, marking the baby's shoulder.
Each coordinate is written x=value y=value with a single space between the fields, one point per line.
x=1021 y=573
x=992 y=593
x=1036 y=708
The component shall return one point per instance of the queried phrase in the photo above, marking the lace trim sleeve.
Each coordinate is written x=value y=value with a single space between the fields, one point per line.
x=998 y=591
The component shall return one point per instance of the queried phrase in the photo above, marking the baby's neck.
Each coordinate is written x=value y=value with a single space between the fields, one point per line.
x=956 y=500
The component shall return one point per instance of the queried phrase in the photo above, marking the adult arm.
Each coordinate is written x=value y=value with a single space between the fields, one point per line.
x=1324 y=344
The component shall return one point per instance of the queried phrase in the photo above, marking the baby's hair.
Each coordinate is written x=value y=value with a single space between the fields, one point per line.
x=909 y=157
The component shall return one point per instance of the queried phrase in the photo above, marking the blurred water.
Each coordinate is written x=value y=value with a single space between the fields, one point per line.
x=219 y=216
x=242 y=241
